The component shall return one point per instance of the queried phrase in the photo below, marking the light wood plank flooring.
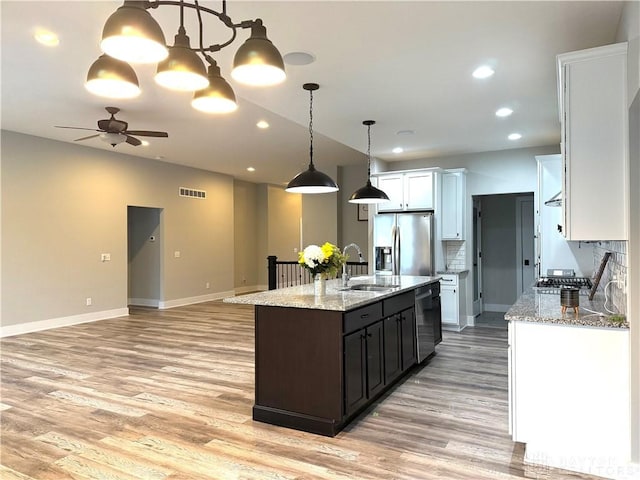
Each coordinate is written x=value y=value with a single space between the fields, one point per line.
x=168 y=395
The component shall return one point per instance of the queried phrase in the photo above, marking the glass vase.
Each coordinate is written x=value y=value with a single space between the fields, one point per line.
x=319 y=285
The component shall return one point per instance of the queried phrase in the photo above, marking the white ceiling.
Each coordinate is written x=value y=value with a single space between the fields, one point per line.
x=406 y=65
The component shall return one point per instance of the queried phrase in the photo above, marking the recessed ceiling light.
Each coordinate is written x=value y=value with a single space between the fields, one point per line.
x=483 y=71
x=144 y=143
x=251 y=169
x=46 y=37
x=262 y=124
x=514 y=136
x=405 y=132
x=398 y=150
x=503 y=112
x=298 y=58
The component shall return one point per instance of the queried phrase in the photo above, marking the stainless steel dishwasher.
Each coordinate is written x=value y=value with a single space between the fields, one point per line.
x=428 y=320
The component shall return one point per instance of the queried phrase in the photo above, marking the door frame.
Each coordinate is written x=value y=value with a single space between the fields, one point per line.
x=477 y=254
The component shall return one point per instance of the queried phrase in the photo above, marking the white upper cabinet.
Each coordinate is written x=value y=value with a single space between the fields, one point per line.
x=593 y=117
x=406 y=191
x=452 y=209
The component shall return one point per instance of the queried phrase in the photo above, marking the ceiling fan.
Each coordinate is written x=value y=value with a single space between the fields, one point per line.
x=114 y=131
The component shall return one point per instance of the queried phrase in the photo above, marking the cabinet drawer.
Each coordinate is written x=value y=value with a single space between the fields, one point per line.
x=362 y=317
x=449 y=280
x=398 y=303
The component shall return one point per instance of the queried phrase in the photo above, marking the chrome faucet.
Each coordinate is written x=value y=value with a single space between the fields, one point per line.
x=345 y=275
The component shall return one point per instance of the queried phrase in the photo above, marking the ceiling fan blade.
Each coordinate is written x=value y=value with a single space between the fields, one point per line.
x=147 y=133
x=133 y=141
x=86 y=138
x=78 y=128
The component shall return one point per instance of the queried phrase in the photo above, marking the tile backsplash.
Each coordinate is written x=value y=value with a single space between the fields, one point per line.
x=616 y=267
x=455 y=256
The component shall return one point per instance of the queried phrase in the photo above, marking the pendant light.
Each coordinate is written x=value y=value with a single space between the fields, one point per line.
x=218 y=97
x=368 y=193
x=112 y=78
x=182 y=70
x=258 y=62
x=311 y=180
x=132 y=35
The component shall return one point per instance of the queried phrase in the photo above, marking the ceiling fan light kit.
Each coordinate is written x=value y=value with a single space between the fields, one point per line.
x=132 y=35
x=368 y=193
x=311 y=180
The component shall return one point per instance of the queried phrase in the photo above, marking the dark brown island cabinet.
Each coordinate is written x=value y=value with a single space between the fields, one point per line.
x=316 y=370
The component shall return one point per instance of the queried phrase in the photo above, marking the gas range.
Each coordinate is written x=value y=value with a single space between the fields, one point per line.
x=559 y=279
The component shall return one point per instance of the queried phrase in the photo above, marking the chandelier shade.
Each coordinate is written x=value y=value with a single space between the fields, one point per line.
x=182 y=70
x=112 y=78
x=368 y=193
x=258 y=62
x=132 y=35
x=218 y=97
x=311 y=180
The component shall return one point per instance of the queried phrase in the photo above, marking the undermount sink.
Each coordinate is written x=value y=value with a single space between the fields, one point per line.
x=372 y=287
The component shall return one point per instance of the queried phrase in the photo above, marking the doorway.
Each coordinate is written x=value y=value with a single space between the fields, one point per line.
x=504 y=250
x=144 y=244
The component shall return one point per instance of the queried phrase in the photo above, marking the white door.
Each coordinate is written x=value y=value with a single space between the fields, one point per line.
x=449 y=305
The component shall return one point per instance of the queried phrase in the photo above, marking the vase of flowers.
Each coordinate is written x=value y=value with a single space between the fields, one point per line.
x=322 y=262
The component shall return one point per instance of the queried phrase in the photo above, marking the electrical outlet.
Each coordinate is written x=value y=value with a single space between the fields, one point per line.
x=89 y=301
x=176 y=254
x=105 y=257
x=207 y=285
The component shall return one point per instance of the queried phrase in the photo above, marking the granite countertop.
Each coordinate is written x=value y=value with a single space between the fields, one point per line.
x=533 y=306
x=302 y=296
x=452 y=271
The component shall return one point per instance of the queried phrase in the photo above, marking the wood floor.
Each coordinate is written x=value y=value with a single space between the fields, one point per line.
x=168 y=395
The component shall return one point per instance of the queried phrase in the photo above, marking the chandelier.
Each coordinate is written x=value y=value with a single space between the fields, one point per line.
x=131 y=35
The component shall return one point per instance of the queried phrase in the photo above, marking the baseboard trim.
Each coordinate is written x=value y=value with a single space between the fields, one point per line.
x=181 y=302
x=39 y=325
x=471 y=321
x=495 y=307
x=246 y=289
x=144 y=302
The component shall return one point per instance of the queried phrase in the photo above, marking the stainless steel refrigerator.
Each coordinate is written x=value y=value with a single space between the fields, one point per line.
x=403 y=243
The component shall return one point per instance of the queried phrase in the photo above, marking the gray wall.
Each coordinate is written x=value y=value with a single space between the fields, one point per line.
x=63 y=205
x=245 y=235
x=350 y=230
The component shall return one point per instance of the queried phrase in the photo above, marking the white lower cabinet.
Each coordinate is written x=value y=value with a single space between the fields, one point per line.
x=569 y=396
x=450 y=302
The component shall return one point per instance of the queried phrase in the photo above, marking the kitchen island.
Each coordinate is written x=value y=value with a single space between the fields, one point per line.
x=568 y=386
x=320 y=361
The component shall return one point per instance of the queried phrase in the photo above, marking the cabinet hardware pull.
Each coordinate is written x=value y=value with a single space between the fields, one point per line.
x=364 y=315
x=369 y=335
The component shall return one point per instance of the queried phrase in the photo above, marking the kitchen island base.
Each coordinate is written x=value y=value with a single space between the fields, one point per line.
x=316 y=370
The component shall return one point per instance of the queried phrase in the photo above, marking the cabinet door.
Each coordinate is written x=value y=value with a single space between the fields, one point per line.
x=418 y=190
x=594 y=126
x=452 y=206
x=449 y=304
x=408 y=329
x=392 y=352
x=392 y=186
x=355 y=384
x=375 y=359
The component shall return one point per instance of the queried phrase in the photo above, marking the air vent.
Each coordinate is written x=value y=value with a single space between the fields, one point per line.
x=192 y=193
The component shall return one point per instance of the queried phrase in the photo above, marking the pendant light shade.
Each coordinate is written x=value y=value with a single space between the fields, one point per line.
x=258 y=62
x=218 y=97
x=182 y=70
x=311 y=180
x=132 y=35
x=368 y=193
x=112 y=78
